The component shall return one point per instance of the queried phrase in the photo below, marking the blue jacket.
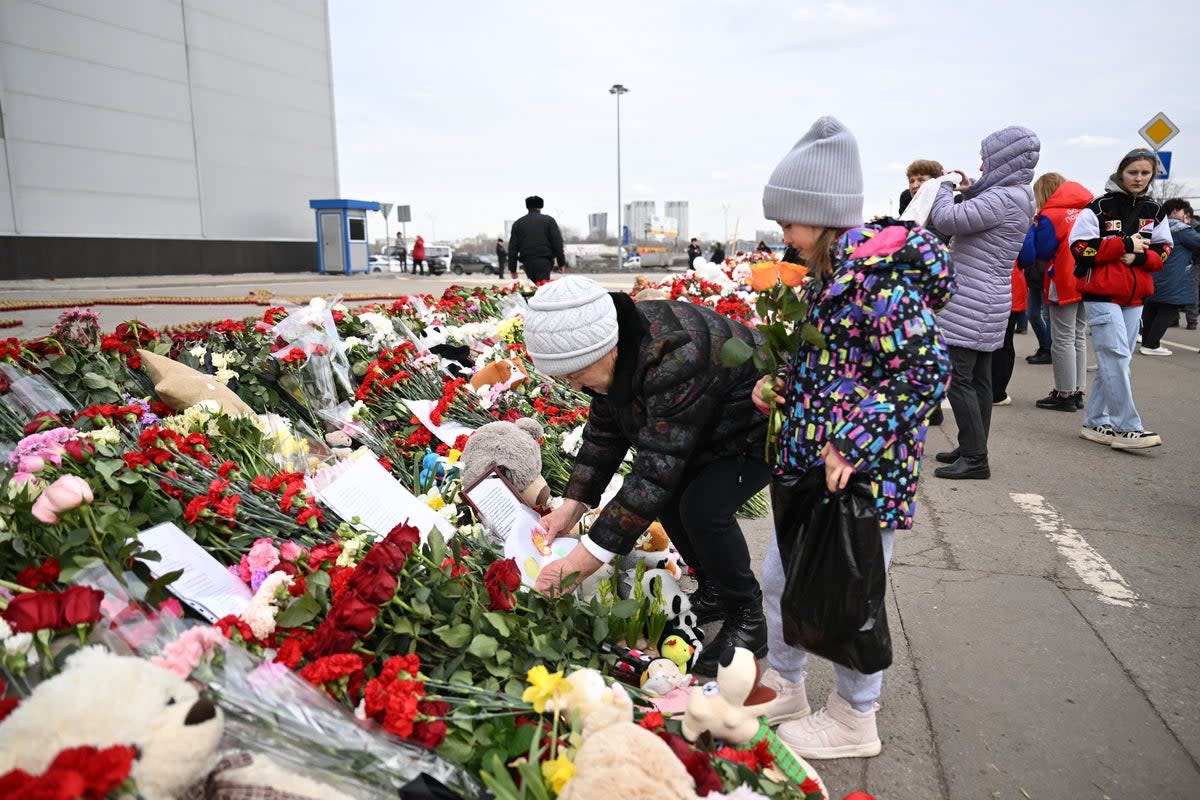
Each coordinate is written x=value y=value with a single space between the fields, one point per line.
x=1173 y=284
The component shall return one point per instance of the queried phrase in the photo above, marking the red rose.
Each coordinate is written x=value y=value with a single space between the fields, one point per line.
x=298 y=586
x=386 y=556
x=36 y=577
x=404 y=536
x=81 y=605
x=327 y=640
x=79 y=449
x=33 y=611
x=43 y=421
x=354 y=614
x=697 y=763
x=502 y=578
x=371 y=584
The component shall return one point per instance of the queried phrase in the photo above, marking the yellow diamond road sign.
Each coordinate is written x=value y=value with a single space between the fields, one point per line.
x=1158 y=131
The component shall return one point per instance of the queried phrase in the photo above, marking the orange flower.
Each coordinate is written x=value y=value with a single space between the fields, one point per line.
x=763 y=275
x=792 y=274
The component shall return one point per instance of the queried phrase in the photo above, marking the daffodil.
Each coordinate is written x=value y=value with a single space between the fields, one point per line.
x=558 y=772
x=543 y=685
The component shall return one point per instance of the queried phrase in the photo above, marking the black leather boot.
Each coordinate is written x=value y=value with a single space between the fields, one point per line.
x=744 y=627
x=947 y=457
x=707 y=604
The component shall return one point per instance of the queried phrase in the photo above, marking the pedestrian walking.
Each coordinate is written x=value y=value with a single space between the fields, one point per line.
x=502 y=260
x=536 y=242
x=988 y=227
x=694 y=251
x=1118 y=240
x=1036 y=313
x=858 y=402
x=1173 y=287
x=418 y=255
x=1047 y=261
x=402 y=254
x=654 y=373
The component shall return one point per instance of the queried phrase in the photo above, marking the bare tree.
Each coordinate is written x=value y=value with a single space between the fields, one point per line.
x=1166 y=189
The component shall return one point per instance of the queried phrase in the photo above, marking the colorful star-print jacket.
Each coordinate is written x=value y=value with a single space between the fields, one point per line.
x=883 y=367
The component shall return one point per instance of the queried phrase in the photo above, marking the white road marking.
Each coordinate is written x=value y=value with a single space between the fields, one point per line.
x=1091 y=567
x=1178 y=346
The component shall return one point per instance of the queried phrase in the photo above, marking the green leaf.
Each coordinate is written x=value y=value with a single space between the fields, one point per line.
x=63 y=365
x=455 y=636
x=303 y=610
x=624 y=609
x=437 y=546
x=811 y=334
x=498 y=622
x=599 y=629
x=735 y=352
x=483 y=646
x=156 y=592
x=93 y=381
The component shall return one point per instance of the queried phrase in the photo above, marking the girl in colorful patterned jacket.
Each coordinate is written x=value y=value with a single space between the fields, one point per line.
x=859 y=403
x=1118 y=240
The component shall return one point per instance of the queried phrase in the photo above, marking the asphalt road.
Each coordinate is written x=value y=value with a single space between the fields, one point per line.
x=1044 y=621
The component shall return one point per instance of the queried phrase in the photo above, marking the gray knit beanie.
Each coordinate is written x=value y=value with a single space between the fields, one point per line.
x=571 y=323
x=820 y=181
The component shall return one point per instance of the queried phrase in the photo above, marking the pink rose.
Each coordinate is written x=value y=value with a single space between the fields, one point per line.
x=31 y=464
x=68 y=492
x=290 y=551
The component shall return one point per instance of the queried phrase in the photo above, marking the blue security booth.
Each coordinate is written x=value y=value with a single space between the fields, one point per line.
x=342 y=243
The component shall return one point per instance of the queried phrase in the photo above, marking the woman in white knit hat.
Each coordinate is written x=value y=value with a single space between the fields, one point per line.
x=856 y=403
x=654 y=373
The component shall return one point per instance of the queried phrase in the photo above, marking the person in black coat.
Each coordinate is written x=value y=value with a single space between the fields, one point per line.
x=536 y=242
x=656 y=380
x=694 y=251
x=718 y=253
x=502 y=259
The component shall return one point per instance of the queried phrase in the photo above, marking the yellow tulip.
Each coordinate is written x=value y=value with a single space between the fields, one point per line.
x=792 y=274
x=763 y=275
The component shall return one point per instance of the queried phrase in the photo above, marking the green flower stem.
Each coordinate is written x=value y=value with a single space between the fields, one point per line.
x=16 y=587
x=89 y=520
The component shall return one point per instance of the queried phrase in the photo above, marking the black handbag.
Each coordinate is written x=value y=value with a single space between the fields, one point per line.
x=836 y=577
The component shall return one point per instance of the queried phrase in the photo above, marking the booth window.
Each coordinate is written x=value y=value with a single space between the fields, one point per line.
x=358 y=229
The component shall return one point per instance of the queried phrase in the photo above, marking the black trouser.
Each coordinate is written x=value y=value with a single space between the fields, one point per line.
x=1003 y=360
x=537 y=269
x=971 y=399
x=418 y=264
x=1156 y=318
x=699 y=518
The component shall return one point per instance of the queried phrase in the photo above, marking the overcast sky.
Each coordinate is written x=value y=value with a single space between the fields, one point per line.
x=461 y=109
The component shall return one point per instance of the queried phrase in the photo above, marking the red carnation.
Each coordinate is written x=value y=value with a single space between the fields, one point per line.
x=323 y=553
x=290 y=652
x=501 y=580
x=101 y=770
x=431 y=730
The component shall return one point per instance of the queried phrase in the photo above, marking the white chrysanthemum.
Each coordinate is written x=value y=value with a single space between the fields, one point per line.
x=225 y=375
x=573 y=441
x=105 y=435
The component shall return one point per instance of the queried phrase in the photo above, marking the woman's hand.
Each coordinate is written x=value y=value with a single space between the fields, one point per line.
x=563 y=519
x=769 y=389
x=837 y=468
x=1139 y=244
x=963 y=183
x=1128 y=258
x=579 y=562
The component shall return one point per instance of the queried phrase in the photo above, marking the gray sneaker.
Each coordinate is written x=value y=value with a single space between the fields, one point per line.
x=1135 y=440
x=790 y=701
x=1101 y=434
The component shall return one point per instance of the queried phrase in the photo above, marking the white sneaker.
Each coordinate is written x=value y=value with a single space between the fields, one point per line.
x=1007 y=401
x=836 y=731
x=790 y=701
x=1156 y=351
x=1134 y=440
x=1100 y=434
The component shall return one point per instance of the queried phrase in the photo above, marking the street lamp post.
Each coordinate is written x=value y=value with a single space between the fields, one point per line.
x=619 y=90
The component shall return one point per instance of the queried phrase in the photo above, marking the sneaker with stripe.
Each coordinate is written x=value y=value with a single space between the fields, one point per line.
x=1135 y=440
x=1100 y=434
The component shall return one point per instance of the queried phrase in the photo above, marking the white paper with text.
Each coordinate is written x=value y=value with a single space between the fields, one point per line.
x=205 y=585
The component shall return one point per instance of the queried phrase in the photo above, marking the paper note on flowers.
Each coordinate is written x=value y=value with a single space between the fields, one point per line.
x=204 y=585
x=366 y=490
x=448 y=431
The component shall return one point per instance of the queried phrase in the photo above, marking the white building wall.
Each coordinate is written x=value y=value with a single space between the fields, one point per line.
x=166 y=118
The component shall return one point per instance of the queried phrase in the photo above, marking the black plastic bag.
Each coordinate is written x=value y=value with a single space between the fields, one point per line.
x=832 y=551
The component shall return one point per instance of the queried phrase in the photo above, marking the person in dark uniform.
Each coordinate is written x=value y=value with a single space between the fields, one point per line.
x=694 y=251
x=501 y=259
x=536 y=242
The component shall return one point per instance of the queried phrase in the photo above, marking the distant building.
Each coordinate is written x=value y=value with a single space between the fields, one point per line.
x=507 y=229
x=179 y=136
x=768 y=236
x=637 y=218
x=678 y=210
x=598 y=226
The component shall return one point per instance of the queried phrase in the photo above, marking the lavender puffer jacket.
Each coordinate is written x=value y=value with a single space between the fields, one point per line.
x=988 y=228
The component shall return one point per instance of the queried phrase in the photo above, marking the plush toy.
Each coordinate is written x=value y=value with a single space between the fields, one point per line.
x=681 y=622
x=662 y=676
x=654 y=548
x=516 y=450
x=509 y=370
x=102 y=699
x=677 y=650
x=727 y=708
x=603 y=767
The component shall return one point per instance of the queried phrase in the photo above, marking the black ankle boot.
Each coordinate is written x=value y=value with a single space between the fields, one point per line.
x=966 y=468
x=1042 y=356
x=707 y=604
x=744 y=627
x=948 y=457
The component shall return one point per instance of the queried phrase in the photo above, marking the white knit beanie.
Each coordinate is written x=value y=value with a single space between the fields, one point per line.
x=820 y=181
x=571 y=323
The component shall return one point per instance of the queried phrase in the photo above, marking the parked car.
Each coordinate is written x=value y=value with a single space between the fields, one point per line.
x=469 y=263
x=437 y=258
x=380 y=263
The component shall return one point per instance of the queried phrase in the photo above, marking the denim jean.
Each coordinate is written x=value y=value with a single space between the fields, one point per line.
x=1114 y=335
x=1036 y=311
x=859 y=690
x=1069 y=347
